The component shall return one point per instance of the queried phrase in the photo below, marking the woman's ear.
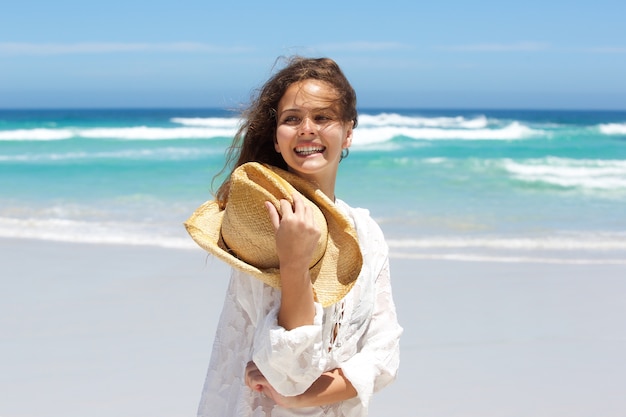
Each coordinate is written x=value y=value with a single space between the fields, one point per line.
x=347 y=142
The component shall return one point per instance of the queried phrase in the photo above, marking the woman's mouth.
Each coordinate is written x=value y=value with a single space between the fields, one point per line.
x=309 y=150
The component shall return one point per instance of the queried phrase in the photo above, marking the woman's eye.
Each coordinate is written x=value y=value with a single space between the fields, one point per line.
x=291 y=120
x=294 y=120
x=323 y=118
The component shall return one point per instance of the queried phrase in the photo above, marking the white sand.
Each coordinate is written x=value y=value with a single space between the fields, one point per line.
x=509 y=340
x=93 y=330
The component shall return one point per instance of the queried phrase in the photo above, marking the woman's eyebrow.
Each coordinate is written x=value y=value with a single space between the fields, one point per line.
x=289 y=110
x=301 y=110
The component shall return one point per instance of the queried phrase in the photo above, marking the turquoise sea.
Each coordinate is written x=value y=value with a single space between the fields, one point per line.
x=448 y=184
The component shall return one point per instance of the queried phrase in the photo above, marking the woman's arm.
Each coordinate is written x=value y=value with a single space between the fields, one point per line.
x=297 y=236
x=329 y=388
x=288 y=344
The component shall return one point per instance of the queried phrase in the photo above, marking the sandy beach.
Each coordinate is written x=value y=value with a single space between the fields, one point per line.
x=125 y=331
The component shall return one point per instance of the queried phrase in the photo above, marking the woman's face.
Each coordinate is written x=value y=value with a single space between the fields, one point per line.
x=310 y=134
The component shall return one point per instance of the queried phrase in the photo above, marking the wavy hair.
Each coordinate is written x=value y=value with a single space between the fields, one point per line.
x=254 y=140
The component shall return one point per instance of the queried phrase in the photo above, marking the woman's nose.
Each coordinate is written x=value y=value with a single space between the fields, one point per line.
x=307 y=126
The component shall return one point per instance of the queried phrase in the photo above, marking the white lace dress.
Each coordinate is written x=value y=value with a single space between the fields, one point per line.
x=366 y=345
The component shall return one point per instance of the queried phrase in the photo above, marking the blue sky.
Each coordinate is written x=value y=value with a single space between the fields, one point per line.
x=447 y=54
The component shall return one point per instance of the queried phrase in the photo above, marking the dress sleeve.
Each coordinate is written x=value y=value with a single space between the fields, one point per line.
x=376 y=362
x=291 y=360
x=248 y=330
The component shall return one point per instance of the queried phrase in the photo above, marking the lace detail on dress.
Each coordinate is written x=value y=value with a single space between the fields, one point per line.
x=336 y=318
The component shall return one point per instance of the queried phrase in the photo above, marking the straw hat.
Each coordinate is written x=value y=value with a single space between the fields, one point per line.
x=243 y=236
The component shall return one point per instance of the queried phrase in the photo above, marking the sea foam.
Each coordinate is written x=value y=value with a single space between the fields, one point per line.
x=563 y=172
x=36 y=134
x=372 y=129
x=76 y=231
x=574 y=248
x=455 y=248
x=613 y=128
x=393 y=119
x=221 y=122
x=159 y=154
x=120 y=133
x=155 y=133
x=512 y=131
x=565 y=242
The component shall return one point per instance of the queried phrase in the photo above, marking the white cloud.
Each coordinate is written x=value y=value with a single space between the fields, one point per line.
x=25 y=48
x=362 y=46
x=530 y=47
x=498 y=47
x=606 y=50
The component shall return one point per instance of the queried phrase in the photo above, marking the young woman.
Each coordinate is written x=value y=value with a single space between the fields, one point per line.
x=279 y=351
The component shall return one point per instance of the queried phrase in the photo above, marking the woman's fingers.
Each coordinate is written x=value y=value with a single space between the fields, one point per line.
x=257 y=382
x=273 y=213
x=297 y=233
x=254 y=378
x=286 y=209
x=299 y=211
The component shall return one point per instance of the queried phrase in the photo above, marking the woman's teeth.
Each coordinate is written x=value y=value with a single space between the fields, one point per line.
x=309 y=150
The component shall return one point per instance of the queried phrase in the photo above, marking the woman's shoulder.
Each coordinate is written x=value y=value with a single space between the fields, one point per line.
x=363 y=220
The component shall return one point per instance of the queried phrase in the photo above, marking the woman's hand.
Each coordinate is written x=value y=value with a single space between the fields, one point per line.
x=257 y=382
x=297 y=235
x=330 y=387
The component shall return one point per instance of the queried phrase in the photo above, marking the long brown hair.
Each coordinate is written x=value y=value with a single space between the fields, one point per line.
x=254 y=141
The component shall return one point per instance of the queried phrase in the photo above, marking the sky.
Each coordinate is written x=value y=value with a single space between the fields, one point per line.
x=397 y=54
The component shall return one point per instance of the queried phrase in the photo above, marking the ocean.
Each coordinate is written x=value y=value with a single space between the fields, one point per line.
x=542 y=186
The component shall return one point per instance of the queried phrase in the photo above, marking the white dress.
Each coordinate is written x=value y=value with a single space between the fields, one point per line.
x=366 y=346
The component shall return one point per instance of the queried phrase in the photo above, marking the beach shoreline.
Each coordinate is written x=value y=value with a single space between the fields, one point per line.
x=114 y=330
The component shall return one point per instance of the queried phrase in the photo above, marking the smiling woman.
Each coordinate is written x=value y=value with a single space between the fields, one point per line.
x=311 y=135
x=288 y=349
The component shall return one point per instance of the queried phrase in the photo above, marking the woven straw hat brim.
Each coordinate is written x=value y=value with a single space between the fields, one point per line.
x=333 y=275
x=203 y=227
